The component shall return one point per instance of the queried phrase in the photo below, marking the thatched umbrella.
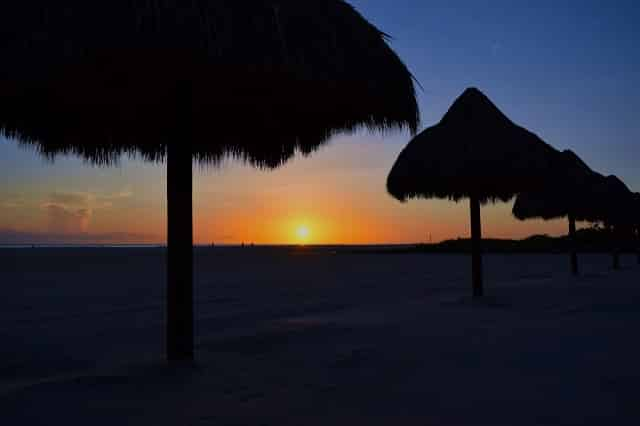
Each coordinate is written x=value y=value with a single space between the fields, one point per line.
x=181 y=80
x=570 y=194
x=474 y=152
x=616 y=210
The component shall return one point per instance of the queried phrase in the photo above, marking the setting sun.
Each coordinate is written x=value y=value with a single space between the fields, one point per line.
x=303 y=233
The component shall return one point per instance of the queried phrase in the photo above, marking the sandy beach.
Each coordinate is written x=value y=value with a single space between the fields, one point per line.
x=296 y=336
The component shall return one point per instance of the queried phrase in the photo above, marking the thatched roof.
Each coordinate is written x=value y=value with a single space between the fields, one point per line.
x=615 y=201
x=262 y=78
x=474 y=149
x=570 y=192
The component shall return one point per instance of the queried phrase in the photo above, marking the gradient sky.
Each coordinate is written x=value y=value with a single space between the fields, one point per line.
x=567 y=70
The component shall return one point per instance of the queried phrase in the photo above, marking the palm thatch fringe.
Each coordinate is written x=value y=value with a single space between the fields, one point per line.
x=269 y=77
x=571 y=193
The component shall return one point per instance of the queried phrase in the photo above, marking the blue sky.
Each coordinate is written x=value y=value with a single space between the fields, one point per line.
x=567 y=70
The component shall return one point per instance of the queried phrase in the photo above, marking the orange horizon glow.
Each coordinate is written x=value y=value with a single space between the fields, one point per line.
x=336 y=196
x=422 y=223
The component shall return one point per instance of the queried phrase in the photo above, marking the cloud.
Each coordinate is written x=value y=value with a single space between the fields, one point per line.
x=13 y=236
x=125 y=193
x=12 y=201
x=71 y=198
x=11 y=204
x=71 y=212
x=68 y=212
x=67 y=220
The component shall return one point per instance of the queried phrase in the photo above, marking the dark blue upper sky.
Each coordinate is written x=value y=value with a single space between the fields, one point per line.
x=568 y=70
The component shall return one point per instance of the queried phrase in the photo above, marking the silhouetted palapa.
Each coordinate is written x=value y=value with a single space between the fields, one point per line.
x=474 y=152
x=615 y=206
x=570 y=193
x=616 y=210
x=181 y=80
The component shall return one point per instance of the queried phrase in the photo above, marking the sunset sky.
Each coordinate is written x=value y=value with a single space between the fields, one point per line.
x=567 y=70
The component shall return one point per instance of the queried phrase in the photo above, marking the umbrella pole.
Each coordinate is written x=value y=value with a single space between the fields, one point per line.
x=573 y=245
x=179 y=331
x=615 y=264
x=638 y=243
x=476 y=248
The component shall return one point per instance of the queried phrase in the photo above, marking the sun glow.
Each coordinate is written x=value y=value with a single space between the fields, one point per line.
x=303 y=234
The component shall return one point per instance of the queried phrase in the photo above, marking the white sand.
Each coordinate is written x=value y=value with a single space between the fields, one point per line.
x=319 y=339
